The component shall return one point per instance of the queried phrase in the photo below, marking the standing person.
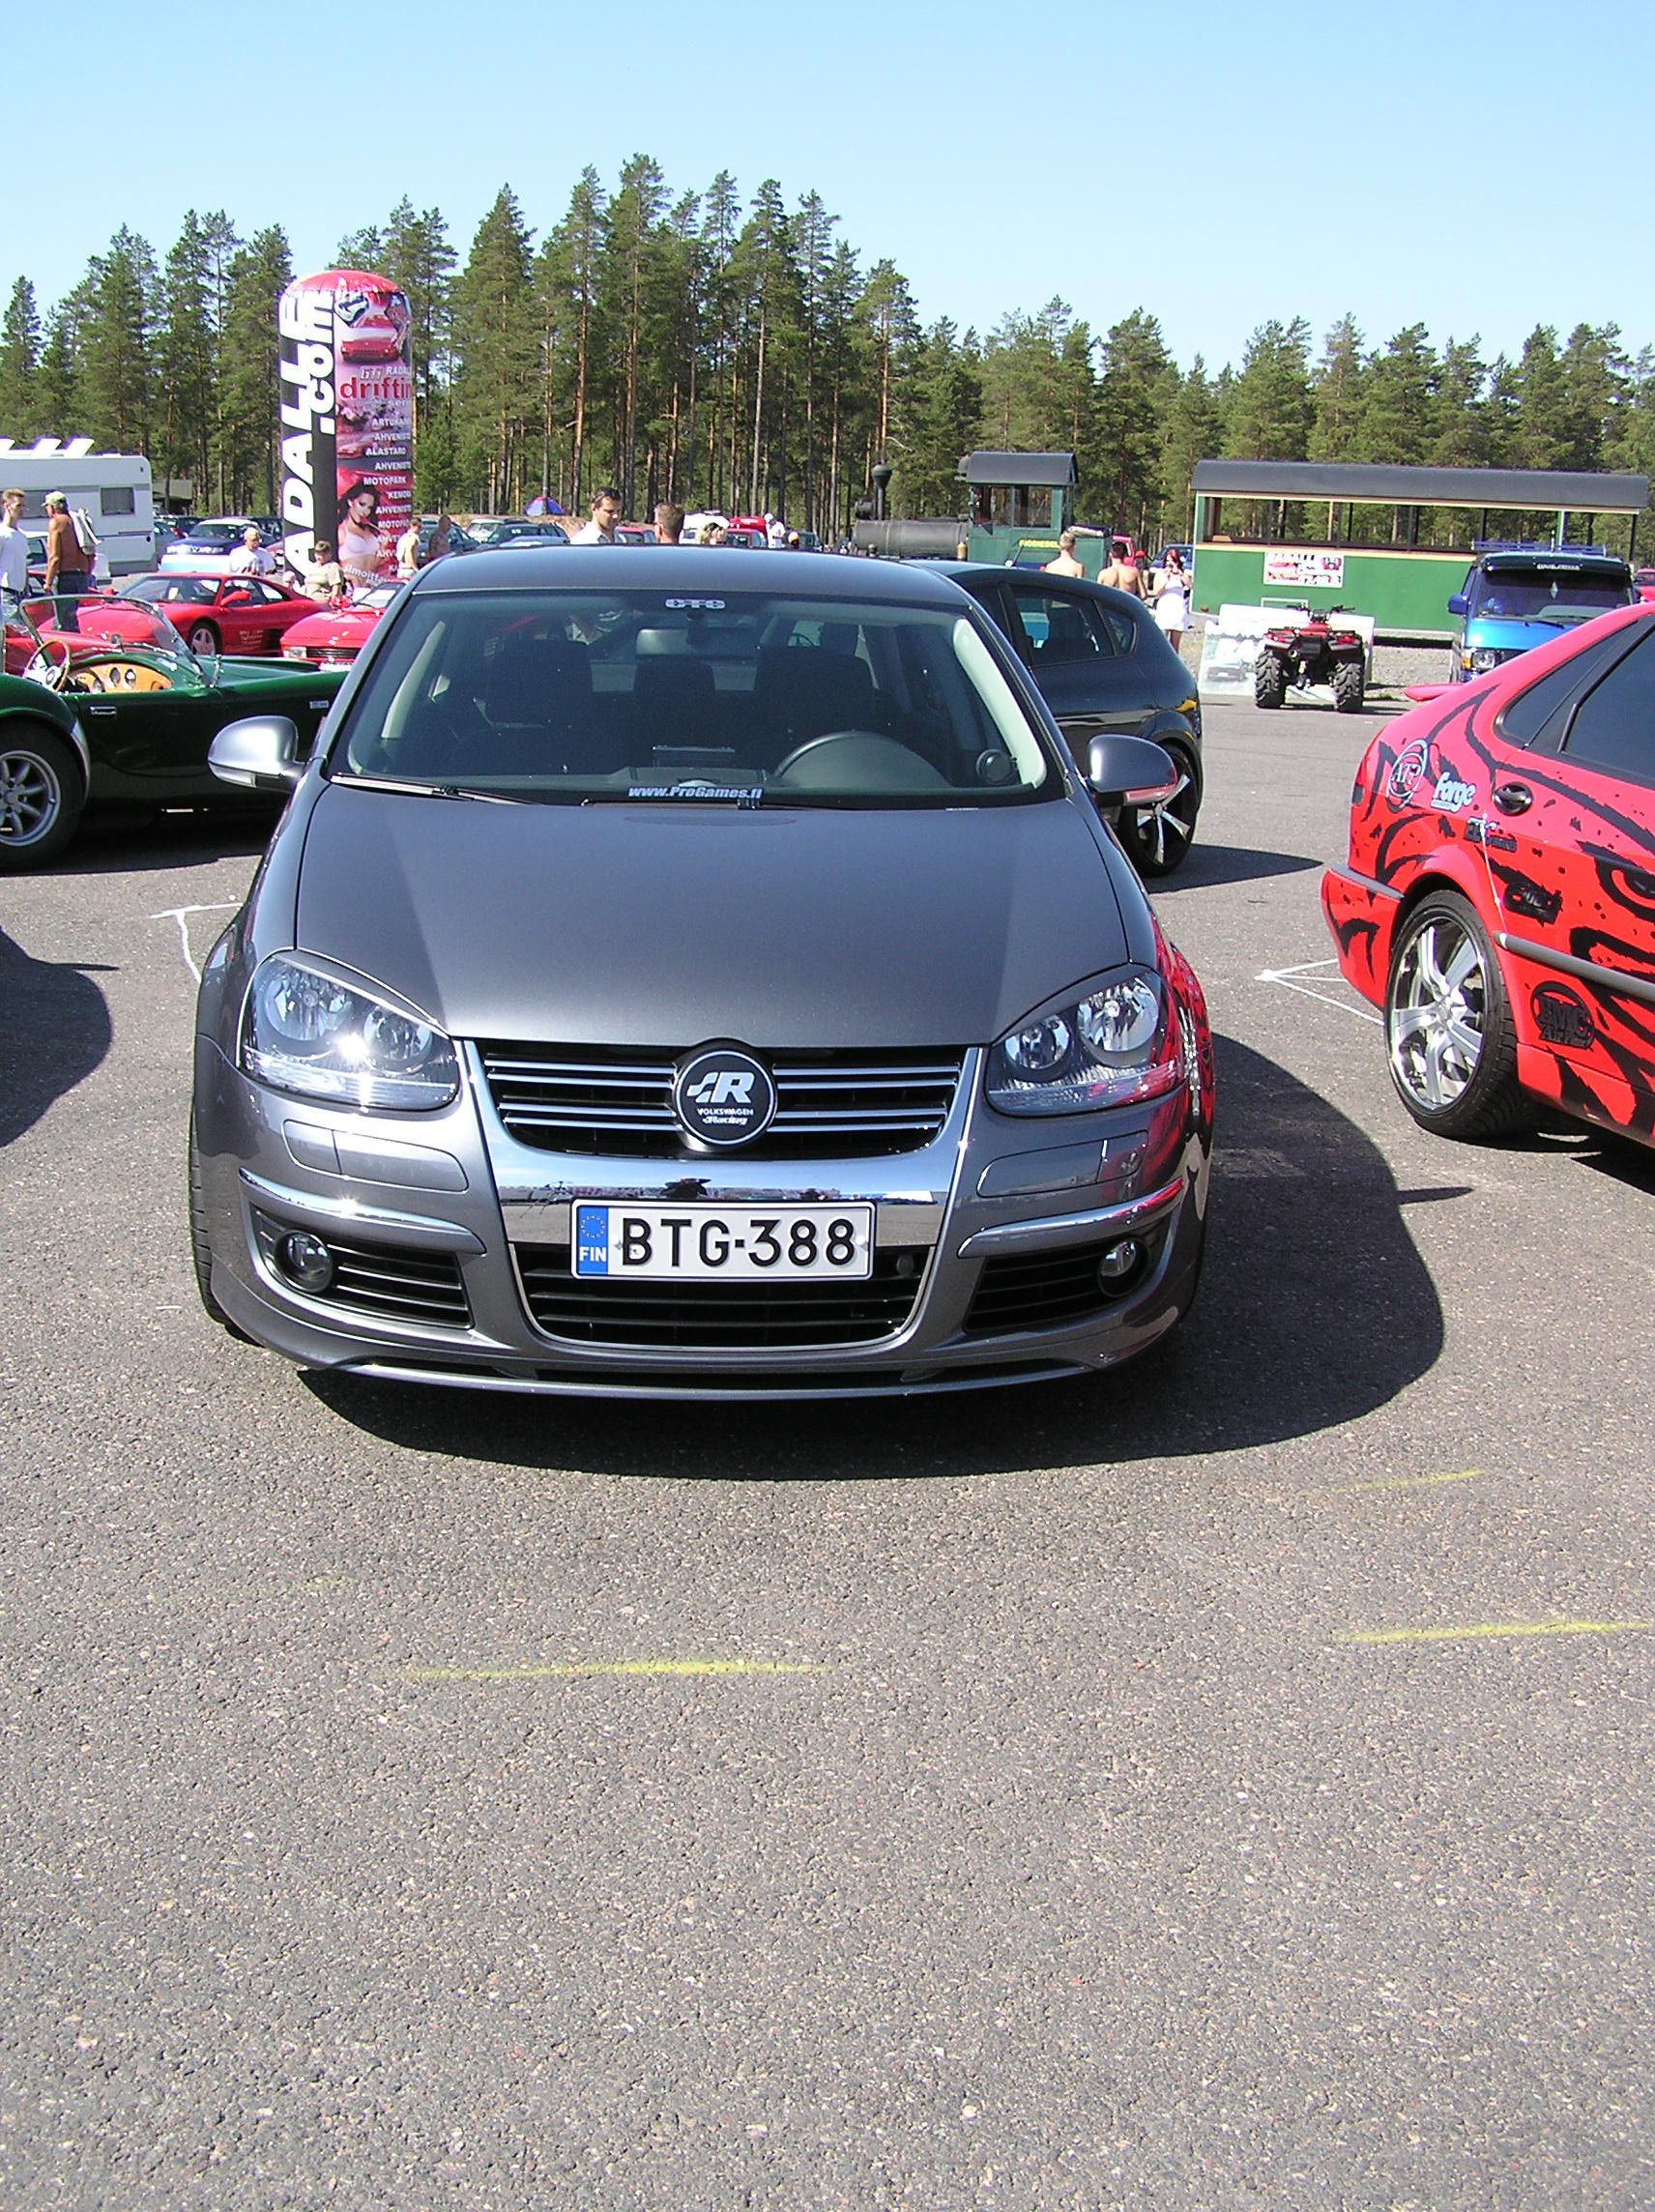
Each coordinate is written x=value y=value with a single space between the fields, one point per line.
x=13 y=554
x=669 y=522
x=249 y=558
x=605 y=514
x=1065 y=563
x=1121 y=571
x=408 y=550
x=1172 y=599
x=69 y=570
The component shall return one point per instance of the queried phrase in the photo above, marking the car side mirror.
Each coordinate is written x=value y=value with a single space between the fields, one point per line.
x=260 y=754
x=1130 y=771
x=1459 y=604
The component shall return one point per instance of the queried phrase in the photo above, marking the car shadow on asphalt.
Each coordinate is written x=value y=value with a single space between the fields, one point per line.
x=113 y=847
x=1314 y=1308
x=1230 y=864
x=55 y=1031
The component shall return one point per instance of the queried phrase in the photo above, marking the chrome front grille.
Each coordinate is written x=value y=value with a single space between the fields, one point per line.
x=613 y=1103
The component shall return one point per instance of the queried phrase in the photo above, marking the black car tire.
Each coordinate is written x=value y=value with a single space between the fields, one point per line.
x=202 y=639
x=1449 y=1036
x=1154 y=847
x=42 y=795
x=200 y=1250
x=1269 y=681
x=1349 y=687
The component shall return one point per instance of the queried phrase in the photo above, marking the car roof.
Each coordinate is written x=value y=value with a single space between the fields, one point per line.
x=692 y=568
x=1556 y=557
x=966 y=571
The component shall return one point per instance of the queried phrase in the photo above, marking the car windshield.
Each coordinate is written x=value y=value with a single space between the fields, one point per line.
x=750 y=698
x=1525 y=594
x=173 y=591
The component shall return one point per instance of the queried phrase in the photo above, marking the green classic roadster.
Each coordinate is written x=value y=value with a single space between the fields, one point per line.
x=105 y=709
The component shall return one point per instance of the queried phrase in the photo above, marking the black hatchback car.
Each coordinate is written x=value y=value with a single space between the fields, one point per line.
x=1103 y=666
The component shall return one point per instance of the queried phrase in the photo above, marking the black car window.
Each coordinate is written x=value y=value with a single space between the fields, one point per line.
x=1613 y=726
x=1527 y=715
x=1058 y=629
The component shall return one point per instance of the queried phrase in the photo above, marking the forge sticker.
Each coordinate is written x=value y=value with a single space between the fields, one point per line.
x=1451 y=795
x=1561 y=1018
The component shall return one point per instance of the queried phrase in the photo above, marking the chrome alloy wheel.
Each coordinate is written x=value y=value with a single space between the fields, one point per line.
x=1161 y=831
x=31 y=797
x=1436 y=1015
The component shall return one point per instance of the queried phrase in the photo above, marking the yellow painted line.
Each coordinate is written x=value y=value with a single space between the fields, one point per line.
x=1405 y=1482
x=1490 y=1628
x=584 y=1667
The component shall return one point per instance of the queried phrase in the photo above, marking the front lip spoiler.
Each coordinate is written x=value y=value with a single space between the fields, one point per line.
x=817 y=1387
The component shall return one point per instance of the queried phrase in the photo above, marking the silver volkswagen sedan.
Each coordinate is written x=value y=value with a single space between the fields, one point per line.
x=678 y=977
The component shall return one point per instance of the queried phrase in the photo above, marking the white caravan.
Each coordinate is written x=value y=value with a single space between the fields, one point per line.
x=113 y=490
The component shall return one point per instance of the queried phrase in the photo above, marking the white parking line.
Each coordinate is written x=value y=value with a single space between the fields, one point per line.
x=181 y=914
x=1291 y=979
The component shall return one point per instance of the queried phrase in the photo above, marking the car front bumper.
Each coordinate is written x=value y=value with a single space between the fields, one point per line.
x=450 y=1233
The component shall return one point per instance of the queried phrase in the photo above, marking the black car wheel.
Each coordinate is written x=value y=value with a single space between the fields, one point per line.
x=41 y=795
x=1448 y=1026
x=1156 y=838
x=1349 y=687
x=1269 y=681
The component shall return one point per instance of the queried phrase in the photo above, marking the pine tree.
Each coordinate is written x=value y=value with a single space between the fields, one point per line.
x=249 y=368
x=1338 y=390
x=185 y=346
x=940 y=405
x=115 y=370
x=495 y=339
x=419 y=261
x=1128 y=490
x=1194 y=433
x=19 y=363
x=362 y=249
x=634 y=215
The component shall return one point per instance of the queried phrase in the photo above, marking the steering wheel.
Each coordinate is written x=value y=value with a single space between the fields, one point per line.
x=55 y=674
x=827 y=738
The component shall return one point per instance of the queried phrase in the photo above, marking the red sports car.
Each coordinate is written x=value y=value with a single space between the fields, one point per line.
x=246 y=616
x=331 y=636
x=1498 y=903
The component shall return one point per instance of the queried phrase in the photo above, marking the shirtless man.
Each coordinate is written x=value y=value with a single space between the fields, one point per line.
x=1121 y=573
x=1065 y=563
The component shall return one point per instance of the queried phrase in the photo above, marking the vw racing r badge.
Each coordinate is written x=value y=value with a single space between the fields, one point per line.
x=724 y=1096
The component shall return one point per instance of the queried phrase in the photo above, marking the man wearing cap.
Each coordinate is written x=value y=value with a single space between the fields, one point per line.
x=69 y=573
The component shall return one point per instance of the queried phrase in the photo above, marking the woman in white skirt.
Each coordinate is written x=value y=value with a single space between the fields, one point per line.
x=1172 y=599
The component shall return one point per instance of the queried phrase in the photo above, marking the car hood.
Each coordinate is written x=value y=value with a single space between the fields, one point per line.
x=1509 y=635
x=276 y=677
x=653 y=924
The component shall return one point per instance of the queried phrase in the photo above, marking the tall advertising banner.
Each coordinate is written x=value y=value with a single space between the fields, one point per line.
x=347 y=420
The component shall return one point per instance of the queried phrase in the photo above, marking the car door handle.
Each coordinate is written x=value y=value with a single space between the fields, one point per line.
x=1513 y=797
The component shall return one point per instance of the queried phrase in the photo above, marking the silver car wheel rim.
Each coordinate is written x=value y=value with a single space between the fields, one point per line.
x=1437 y=1014
x=1154 y=822
x=30 y=796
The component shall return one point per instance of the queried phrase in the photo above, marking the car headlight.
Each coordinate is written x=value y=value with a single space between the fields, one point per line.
x=306 y=1030
x=1483 y=658
x=1117 y=1043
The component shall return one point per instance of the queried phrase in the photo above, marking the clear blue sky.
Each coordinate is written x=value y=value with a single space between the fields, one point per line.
x=1475 y=168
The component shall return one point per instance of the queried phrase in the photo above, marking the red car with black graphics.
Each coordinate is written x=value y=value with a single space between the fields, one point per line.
x=1499 y=902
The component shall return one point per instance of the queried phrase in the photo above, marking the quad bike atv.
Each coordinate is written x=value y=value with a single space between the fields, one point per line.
x=1317 y=653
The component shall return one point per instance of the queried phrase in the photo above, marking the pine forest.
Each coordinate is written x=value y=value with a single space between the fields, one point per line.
x=747 y=357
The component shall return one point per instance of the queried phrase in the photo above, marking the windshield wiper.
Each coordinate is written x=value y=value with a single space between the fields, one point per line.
x=426 y=790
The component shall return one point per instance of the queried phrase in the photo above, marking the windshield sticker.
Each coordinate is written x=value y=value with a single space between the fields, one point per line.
x=693 y=787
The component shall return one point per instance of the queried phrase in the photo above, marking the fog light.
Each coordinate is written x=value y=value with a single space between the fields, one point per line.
x=304 y=1260
x=1118 y=1263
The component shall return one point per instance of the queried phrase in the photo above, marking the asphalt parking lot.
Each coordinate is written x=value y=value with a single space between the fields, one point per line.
x=1225 y=1782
